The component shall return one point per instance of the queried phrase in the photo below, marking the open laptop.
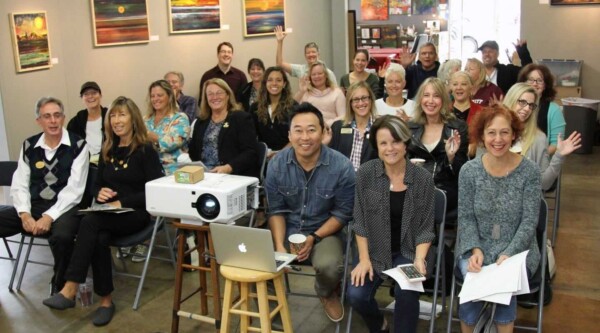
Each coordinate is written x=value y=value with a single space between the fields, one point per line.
x=247 y=247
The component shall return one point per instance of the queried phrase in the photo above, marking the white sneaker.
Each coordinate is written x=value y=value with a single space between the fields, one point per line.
x=139 y=253
x=124 y=250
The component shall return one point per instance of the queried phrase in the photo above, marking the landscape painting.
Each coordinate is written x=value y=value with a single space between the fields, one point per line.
x=194 y=16
x=31 y=45
x=262 y=16
x=119 y=22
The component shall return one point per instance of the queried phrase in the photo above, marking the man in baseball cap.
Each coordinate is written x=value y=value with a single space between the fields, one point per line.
x=504 y=76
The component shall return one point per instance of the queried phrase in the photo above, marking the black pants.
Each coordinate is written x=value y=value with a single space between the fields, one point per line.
x=61 y=236
x=91 y=247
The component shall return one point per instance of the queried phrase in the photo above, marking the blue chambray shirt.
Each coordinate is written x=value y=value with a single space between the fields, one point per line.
x=306 y=204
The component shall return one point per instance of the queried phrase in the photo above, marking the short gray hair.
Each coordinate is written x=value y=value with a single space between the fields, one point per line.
x=48 y=100
x=179 y=75
x=396 y=68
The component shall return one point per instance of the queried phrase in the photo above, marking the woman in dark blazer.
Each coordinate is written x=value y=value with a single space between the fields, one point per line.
x=438 y=138
x=223 y=137
x=393 y=223
x=350 y=136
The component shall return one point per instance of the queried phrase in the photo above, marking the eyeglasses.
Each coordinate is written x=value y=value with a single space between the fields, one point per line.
x=48 y=116
x=215 y=94
x=523 y=103
x=535 y=81
x=360 y=99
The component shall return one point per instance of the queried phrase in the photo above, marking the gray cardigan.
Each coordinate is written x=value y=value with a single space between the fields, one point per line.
x=499 y=215
x=372 y=213
x=538 y=154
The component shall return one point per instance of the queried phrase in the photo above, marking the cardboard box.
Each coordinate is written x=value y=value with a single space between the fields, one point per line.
x=189 y=174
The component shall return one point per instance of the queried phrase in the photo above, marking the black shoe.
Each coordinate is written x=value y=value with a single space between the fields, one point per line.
x=59 y=302
x=103 y=315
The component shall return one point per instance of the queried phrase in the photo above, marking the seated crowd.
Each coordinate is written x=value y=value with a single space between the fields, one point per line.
x=360 y=152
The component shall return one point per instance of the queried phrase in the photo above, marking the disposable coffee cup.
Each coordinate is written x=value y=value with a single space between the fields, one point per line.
x=86 y=292
x=296 y=242
x=417 y=161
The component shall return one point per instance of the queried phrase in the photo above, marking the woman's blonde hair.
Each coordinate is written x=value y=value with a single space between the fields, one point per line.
x=171 y=106
x=530 y=125
x=461 y=74
x=328 y=82
x=350 y=115
x=440 y=89
x=232 y=104
x=481 y=80
x=139 y=135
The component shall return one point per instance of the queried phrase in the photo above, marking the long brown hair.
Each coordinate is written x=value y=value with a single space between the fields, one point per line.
x=139 y=135
x=166 y=86
x=264 y=100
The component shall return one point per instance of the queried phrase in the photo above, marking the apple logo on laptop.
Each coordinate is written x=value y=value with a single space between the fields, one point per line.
x=242 y=248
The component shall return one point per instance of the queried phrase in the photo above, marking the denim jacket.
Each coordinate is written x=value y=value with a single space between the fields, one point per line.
x=306 y=204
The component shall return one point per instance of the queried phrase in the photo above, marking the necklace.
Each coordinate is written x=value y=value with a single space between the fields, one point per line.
x=122 y=163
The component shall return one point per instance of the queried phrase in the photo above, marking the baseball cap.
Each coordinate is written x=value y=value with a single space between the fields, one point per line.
x=89 y=85
x=491 y=44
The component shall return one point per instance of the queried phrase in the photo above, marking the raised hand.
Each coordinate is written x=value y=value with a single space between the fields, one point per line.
x=452 y=145
x=383 y=69
x=406 y=59
x=570 y=144
x=280 y=33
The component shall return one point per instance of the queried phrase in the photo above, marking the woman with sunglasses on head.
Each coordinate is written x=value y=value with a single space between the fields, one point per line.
x=522 y=99
x=550 y=117
x=360 y=63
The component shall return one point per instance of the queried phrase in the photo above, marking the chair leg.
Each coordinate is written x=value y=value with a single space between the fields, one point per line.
x=14 y=272
x=451 y=306
x=556 y=220
x=146 y=263
x=170 y=243
x=349 y=321
x=29 y=246
x=10 y=255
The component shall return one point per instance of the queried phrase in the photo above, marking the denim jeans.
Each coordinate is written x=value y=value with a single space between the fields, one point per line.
x=406 y=311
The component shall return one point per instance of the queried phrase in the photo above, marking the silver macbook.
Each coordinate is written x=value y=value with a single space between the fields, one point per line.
x=247 y=247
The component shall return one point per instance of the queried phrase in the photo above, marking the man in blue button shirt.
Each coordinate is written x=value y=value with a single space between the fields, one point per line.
x=310 y=190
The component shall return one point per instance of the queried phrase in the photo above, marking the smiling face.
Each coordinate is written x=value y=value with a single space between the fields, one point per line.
x=51 y=120
x=360 y=102
x=91 y=98
x=305 y=136
x=523 y=107
x=311 y=54
x=431 y=102
x=498 y=136
x=225 y=55
x=461 y=88
x=427 y=56
x=473 y=70
x=489 y=56
x=159 y=98
x=275 y=83
x=360 y=62
x=217 y=98
x=317 y=77
x=121 y=124
x=175 y=83
x=256 y=73
x=394 y=84
x=536 y=80
x=389 y=150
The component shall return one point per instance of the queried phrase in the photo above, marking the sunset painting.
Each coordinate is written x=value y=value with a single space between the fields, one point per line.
x=30 y=41
x=262 y=16
x=119 y=22
x=194 y=15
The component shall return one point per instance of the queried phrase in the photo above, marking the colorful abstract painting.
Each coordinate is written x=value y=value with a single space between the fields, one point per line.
x=400 y=7
x=119 y=22
x=31 y=45
x=374 y=10
x=262 y=16
x=425 y=7
x=194 y=15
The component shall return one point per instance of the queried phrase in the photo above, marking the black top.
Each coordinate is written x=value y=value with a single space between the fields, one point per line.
x=416 y=74
x=129 y=178
x=235 y=78
x=273 y=133
x=396 y=208
x=237 y=143
x=78 y=123
x=244 y=95
x=507 y=74
x=342 y=140
x=462 y=115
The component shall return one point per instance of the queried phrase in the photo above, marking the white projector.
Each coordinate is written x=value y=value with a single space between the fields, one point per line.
x=218 y=198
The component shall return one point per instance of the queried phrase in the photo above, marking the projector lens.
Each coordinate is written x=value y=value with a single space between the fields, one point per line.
x=208 y=206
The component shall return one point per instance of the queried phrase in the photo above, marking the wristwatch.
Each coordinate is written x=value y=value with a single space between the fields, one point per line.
x=316 y=237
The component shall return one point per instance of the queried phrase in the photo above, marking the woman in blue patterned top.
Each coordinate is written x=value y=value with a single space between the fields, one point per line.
x=168 y=129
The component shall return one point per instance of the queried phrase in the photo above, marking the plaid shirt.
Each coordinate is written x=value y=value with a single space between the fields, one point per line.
x=357 y=144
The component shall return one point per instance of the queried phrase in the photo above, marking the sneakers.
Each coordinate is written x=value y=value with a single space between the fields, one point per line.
x=124 y=251
x=333 y=307
x=139 y=253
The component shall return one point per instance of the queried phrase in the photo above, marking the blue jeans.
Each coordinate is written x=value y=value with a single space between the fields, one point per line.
x=406 y=311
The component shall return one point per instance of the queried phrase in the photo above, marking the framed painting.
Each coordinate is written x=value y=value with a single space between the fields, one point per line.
x=400 y=7
x=574 y=2
x=31 y=45
x=118 y=22
x=187 y=16
x=376 y=33
x=374 y=10
x=262 y=16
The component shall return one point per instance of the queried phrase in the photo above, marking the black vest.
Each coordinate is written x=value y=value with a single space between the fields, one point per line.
x=49 y=177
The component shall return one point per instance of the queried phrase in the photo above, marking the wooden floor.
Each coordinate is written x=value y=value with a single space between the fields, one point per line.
x=576 y=286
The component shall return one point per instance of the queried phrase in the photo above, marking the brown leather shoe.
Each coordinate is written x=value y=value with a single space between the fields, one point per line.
x=333 y=307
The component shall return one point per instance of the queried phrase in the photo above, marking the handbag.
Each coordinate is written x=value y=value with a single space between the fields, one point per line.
x=485 y=323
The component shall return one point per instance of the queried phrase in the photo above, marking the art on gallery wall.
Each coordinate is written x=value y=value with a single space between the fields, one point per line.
x=118 y=22
x=574 y=2
x=262 y=16
x=186 y=16
x=400 y=7
x=374 y=10
x=425 y=7
x=31 y=45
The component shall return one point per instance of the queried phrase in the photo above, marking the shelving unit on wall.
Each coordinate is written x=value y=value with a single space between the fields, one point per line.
x=379 y=36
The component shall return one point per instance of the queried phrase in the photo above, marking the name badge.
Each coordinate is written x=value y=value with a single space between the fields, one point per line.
x=346 y=131
x=39 y=164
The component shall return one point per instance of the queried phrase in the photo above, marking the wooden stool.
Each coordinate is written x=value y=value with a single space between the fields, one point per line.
x=204 y=246
x=244 y=277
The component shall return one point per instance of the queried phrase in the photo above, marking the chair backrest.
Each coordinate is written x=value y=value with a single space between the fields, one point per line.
x=542 y=223
x=262 y=150
x=7 y=169
x=440 y=207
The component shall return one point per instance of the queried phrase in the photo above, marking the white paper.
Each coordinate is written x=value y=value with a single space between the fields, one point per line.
x=395 y=274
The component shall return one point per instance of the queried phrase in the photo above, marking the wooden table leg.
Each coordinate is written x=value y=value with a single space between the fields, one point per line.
x=214 y=270
x=201 y=247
